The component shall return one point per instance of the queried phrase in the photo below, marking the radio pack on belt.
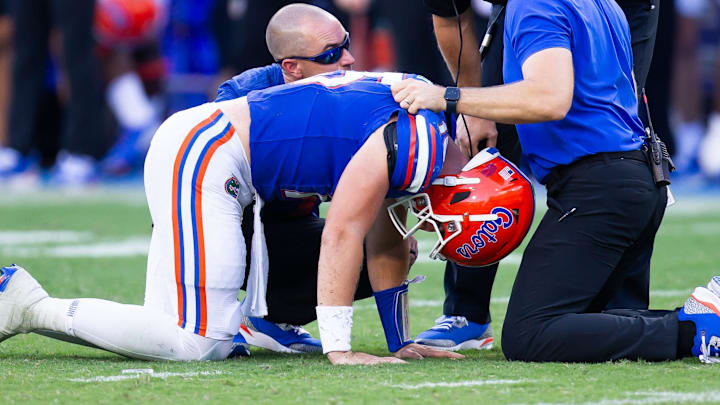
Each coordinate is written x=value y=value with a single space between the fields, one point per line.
x=658 y=157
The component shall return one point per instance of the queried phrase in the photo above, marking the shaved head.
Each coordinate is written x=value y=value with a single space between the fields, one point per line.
x=301 y=30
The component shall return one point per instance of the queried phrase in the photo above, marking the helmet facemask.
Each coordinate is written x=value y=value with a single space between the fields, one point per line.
x=420 y=207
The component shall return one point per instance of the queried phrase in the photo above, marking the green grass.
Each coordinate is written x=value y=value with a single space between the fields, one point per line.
x=34 y=369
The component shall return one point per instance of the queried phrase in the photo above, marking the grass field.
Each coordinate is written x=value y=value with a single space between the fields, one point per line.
x=94 y=245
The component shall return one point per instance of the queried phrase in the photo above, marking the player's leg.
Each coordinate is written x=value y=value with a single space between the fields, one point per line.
x=198 y=324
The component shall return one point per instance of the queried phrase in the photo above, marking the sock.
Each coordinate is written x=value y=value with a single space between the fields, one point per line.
x=127 y=98
x=686 y=337
x=130 y=330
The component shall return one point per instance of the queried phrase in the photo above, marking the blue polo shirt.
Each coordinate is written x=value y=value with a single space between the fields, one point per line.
x=252 y=79
x=603 y=116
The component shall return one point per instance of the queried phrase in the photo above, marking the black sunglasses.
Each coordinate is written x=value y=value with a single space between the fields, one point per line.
x=328 y=57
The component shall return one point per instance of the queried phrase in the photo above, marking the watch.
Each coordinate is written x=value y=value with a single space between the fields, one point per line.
x=452 y=95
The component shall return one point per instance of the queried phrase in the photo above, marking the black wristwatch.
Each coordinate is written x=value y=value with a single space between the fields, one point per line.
x=452 y=95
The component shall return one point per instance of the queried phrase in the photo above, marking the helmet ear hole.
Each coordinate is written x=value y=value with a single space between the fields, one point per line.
x=457 y=197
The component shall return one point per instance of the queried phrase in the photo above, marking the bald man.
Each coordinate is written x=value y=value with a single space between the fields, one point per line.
x=305 y=41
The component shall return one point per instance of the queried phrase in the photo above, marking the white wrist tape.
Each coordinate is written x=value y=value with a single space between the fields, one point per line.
x=335 y=325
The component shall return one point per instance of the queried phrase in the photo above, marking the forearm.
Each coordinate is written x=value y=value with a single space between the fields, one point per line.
x=341 y=254
x=446 y=32
x=521 y=102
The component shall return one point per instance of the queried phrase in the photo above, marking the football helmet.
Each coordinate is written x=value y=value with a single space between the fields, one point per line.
x=479 y=215
x=128 y=21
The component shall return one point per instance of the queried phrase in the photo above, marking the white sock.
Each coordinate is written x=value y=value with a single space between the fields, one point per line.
x=130 y=103
x=130 y=330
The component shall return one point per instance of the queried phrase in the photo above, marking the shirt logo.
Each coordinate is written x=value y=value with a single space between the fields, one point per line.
x=232 y=186
x=486 y=233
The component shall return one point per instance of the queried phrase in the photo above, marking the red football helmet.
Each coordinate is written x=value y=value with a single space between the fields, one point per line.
x=480 y=215
x=128 y=21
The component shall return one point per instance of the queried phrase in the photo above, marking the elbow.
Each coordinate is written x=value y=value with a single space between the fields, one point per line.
x=553 y=108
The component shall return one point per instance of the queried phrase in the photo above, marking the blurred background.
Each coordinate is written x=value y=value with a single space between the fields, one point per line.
x=84 y=84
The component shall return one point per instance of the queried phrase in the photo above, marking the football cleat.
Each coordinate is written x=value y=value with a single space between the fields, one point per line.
x=18 y=292
x=714 y=285
x=457 y=333
x=278 y=337
x=703 y=309
x=240 y=347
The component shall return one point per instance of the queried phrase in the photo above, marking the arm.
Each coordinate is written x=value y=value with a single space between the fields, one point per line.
x=545 y=93
x=356 y=203
x=446 y=33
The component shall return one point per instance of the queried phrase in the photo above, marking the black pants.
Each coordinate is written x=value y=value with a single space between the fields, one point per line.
x=467 y=290
x=574 y=267
x=32 y=21
x=294 y=250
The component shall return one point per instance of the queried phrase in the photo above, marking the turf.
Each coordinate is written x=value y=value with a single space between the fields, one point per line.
x=35 y=369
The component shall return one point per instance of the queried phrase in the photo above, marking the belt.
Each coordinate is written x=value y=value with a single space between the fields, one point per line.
x=558 y=172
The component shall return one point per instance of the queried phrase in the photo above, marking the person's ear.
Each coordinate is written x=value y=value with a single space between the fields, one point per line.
x=292 y=68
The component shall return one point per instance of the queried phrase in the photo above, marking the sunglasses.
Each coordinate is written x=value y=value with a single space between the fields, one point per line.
x=330 y=56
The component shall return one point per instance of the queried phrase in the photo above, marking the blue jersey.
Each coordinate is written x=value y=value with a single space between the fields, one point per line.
x=603 y=115
x=249 y=80
x=303 y=134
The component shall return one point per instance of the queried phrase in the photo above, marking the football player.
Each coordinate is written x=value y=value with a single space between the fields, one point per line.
x=339 y=135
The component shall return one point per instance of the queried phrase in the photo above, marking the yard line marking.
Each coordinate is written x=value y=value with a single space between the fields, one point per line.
x=136 y=374
x=136 y=246
x=642 y=398
x=41 y=236
x=419 y=303
x=471 y=383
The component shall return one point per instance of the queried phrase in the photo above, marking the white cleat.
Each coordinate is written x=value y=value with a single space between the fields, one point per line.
x=18 y=292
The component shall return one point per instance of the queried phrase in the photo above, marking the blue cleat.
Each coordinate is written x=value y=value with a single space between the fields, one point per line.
x=278 y=337
x=457 y=333
x=703 y=309
x=19 y=291
x=240 y=347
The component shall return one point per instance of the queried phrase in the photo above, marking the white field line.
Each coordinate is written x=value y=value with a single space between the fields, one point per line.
x=36 y=237
x=504 y=300
x=471 y=383
x=136 y=374
x=667 y=397
x=133 y=195
x=136 y=246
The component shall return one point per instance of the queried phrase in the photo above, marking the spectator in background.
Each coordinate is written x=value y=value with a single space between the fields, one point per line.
x=80 y=142
x=688 y=97
x=5 y=54
x=128 y=33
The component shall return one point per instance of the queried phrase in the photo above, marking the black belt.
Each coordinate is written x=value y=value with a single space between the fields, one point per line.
x=558 y=172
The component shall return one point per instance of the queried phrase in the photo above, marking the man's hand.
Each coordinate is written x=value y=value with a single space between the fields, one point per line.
x=358 y=358
x=414 y=95
x=419 y=352
x=479 y=130
x=413 y=249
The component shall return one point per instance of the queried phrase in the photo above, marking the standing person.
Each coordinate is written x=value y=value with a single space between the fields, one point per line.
x=573 y=100
x=465 y=322
x=206 y=164
x=80 y=141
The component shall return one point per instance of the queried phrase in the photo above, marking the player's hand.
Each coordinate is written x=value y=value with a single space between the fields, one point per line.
x=358 y=358
x=414 y=95
x=413 y=249
x=479 y=130
x=419 y=352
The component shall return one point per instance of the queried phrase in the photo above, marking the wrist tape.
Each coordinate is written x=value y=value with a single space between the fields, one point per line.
x=392 y=305
x=335 y=325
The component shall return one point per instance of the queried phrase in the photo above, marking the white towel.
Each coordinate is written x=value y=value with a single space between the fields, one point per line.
x=254 y=303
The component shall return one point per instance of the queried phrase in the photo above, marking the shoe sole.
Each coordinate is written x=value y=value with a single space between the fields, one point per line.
x=707 y=298
x=259 y=339
x=472 y=344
